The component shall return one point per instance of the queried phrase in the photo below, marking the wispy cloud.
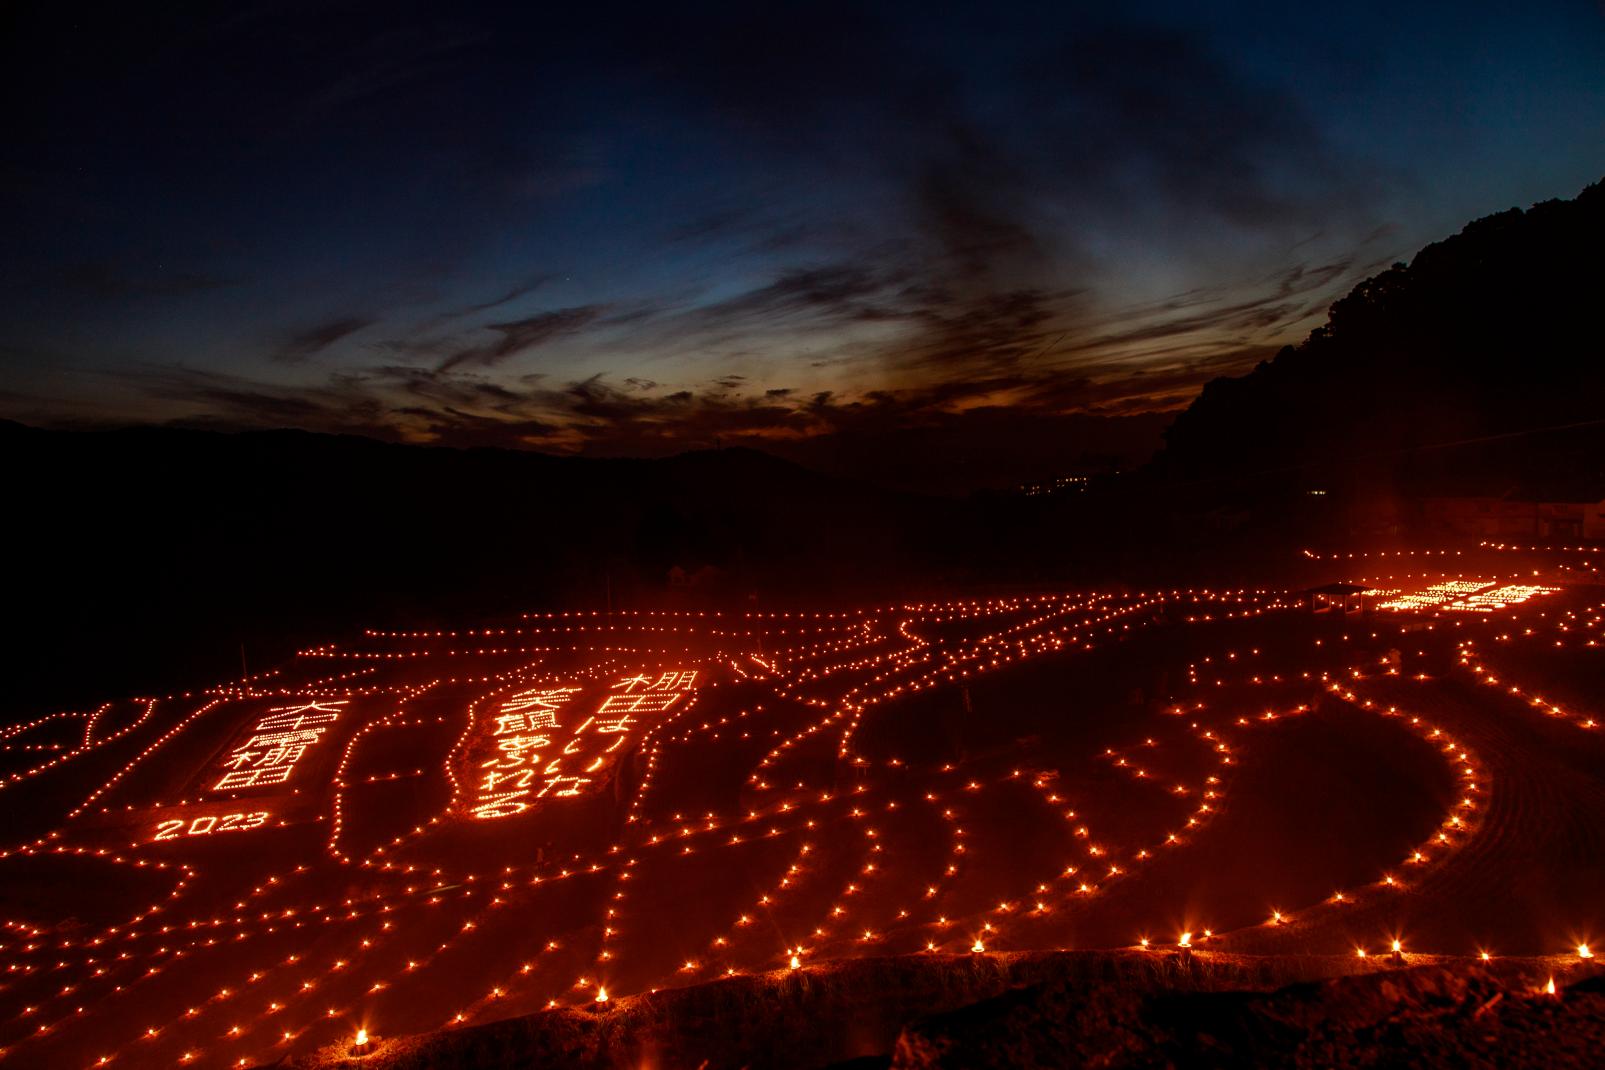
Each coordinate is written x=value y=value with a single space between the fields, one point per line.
x=519 y=336
x=310 y=340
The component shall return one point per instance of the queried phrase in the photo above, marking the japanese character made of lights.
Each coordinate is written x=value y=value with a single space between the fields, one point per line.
x=554 y=743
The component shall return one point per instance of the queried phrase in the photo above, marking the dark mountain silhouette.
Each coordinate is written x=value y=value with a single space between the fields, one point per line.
x=1471 y=364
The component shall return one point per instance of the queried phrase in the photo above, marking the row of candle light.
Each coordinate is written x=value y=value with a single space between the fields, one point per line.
x=911 y=667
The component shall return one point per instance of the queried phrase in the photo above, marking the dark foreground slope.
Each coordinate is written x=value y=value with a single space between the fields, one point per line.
x=1131 y=1009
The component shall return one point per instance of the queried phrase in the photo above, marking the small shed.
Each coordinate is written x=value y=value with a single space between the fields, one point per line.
x=1336 y=598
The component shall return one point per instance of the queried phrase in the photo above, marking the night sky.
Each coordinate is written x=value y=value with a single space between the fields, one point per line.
x=835 y=232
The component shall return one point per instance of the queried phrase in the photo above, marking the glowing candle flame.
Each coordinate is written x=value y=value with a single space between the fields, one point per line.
x=1186 y=940
x=795 y=962
x=362 y=1037
x=1583 y=952
x=601 y=994
x=977 y=947
x=1550 y=987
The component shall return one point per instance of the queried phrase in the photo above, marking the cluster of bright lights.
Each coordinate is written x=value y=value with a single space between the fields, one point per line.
x=1441 y=595
x=1467 y=596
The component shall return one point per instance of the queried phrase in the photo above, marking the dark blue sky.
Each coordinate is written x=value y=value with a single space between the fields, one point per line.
x=824 y=228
